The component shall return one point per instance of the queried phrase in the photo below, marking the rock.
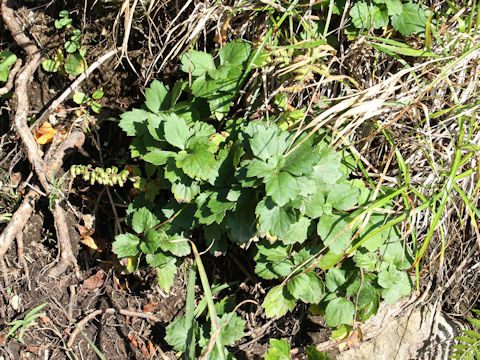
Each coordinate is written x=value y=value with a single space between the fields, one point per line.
x=401 y=339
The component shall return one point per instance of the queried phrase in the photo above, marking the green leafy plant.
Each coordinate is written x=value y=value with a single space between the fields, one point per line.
x=7 y=59
x=73 y=44
x=255 y=180
x=83 y=99
x=469 y=347
x=217 y=82
x=74 y=63
x=280 y=350
x=25 y=323
x=325 y=237
x=56 y=190
x=406 y=17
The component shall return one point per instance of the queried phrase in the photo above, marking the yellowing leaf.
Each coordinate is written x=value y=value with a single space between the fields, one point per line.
x=88 y=241
x=45 y=133
x=97 y=244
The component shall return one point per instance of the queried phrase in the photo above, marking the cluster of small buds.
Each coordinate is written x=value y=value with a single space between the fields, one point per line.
x=109 y=176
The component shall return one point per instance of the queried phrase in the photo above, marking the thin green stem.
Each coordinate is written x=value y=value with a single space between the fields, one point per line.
x=210 y=304
x=189 y=314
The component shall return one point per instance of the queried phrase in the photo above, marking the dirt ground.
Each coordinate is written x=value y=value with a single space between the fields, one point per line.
x=117 y=336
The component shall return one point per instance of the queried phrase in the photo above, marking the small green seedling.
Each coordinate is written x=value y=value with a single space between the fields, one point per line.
x=26 y=322
x=74 y=63
x=83 y=99
x=56 y=190
x=7 y=59
x=280 y=350
x=73 y=44
x=63 y=21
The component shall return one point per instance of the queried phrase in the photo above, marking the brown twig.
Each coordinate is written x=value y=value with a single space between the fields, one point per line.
x=90 y=316
x=11 y=76
x=21 y=257
x=139 y=315
x=83 y=322
x=257 y=334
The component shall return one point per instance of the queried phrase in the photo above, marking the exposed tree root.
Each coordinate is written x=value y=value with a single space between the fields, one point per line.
x=18 y=221
x=24 y=76
x=23 y=213
x=66 y=253
x=11 y=76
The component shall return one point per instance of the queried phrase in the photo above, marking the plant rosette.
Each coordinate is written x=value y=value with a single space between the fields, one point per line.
x=240 y=180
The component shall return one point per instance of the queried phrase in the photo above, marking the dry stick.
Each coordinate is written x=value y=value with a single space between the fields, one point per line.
x=26 y=74
x=8 y=86
x=58 y=101
x=128 y=28
x=18 y=221
x=261 y=333
x=74 y=140
x=90 y=316
x=21 y=257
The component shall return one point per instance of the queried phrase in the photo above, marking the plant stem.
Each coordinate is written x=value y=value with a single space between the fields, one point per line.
x=210 y=304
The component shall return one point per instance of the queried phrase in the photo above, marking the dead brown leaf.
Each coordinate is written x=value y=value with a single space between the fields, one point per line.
x=45 y=133
x=151 y=348
x=97 y=244
x=221 y=36
x=145 y=351
x=150 y=307
x=34 y=349
x=131 y=320
x=95 y=281
x=44 y=319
